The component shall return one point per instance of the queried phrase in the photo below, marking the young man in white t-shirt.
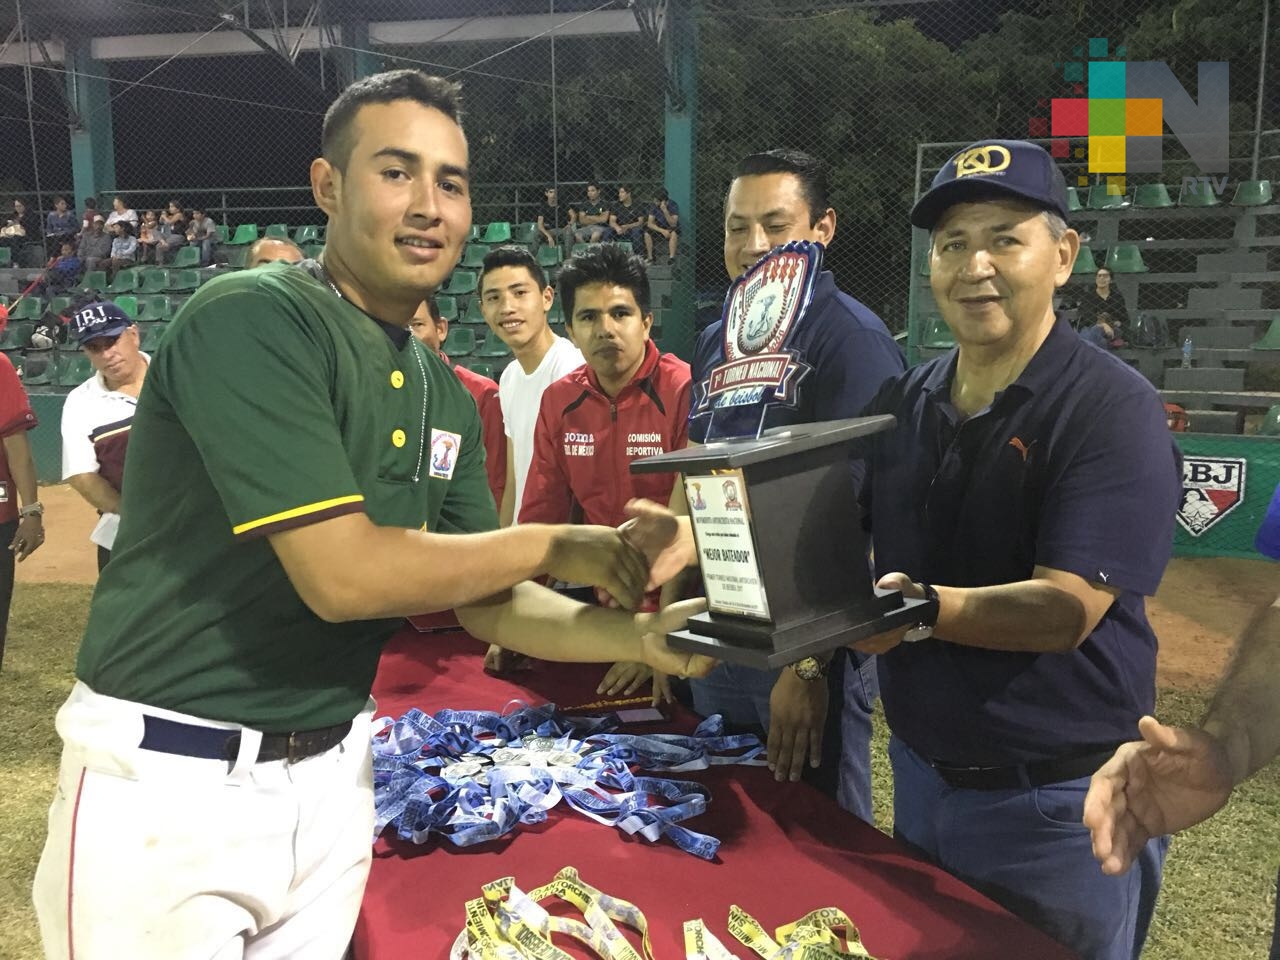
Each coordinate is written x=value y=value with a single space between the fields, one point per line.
x=515 y=298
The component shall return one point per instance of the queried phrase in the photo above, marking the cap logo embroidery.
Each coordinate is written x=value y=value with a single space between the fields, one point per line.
x=991 y=158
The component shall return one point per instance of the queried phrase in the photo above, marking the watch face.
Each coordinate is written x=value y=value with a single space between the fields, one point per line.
x=808 y=669
x=921 y=631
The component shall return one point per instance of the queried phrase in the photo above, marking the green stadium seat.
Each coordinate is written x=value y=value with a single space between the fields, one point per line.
x=245 y=233
x=70 y=345
x=474 y=234
x=313 y=251
x=157 y=306
x=1084 y=262
x=1252 y=193
x=550 y=257
x=1100 y=199
x=448 y=307
x=473 y=313
x=6 y=257
x=40 y=368
x=461 y=283
x=494 y=349
x=237 y=257
x=480 y=367
x=125 y=281
x=186 y=257
x=473 y=256
x=277 y=231
x=558 y=329
x=74 y=371
x=499 y=231
x=95 y=280
x=460 y=342
x=17 y=335
x=153 y=336
x=1152 y=196
x=154 y=280
x=580 y=249
x=1270 y=425
x=29 y=308
x=183 y=281
x=924 y=264
x=224 y=233
x=556 y=313
x=937 y=335
x=1271 y=339
x=60 y=305
x=128 y=303
x=309 y=233
x=1195 y=193
x=524 y=233
x=1073 y=200
x=1125 y=258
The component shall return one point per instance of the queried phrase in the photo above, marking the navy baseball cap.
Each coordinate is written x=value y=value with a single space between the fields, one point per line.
x=1013 y=167
x=102 y=319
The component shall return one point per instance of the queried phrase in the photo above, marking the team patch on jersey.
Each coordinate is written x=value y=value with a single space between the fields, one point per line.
x=762 y=311
x=445 y=447
x=1211 y=488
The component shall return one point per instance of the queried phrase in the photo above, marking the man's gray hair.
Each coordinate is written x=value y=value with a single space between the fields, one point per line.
x=1057 y=226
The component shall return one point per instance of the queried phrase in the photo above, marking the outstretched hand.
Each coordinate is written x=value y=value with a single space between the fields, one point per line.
x=665 y=540
x=659 y=654
x=1170 y=780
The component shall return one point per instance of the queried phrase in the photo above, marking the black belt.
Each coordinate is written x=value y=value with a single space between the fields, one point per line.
x=211 y=743
x=1023 y=775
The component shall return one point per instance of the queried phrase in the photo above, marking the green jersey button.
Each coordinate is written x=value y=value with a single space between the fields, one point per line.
x=397 y=438
x=397 y=381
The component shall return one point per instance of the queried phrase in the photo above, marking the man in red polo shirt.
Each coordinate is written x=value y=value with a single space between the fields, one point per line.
x=431 y=328
x=21 y=528
x=628 y=402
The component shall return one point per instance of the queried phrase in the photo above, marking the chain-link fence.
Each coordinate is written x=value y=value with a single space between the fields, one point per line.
x=219 y=103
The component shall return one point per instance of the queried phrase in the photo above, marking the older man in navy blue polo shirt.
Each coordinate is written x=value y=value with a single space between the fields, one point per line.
x=1030 y=485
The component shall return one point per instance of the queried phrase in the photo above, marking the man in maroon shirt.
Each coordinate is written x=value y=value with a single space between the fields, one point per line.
x=21 y=529
x=628 y=402
x=431 y=328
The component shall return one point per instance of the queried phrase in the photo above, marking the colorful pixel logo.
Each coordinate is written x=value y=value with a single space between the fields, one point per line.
x=1125 y=111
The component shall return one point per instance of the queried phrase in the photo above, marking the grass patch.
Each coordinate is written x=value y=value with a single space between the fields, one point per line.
x=1217 y=903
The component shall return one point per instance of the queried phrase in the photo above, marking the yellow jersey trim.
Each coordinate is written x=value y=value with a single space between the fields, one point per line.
x=296 y=512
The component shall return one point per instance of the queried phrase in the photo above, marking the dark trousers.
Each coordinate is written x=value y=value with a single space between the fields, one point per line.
x=7 y=532
x=103 y=556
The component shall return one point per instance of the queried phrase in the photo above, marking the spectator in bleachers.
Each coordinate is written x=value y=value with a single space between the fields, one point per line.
x=431 y=328
x=61 y=224
x=148 y=237
x=627 y=402
x=1103 y=298
x=664 y=222
x=171 y=234
x=592 y=218
x=515 y=298
x=272 y=250
x=203 y=231
x=90 y=211
x=21 y=230
x=121 y=211
x=97 y=414
x=554 y=225
x=124 y=247
x=94 y=249
x=1102 y=332
x=628 y=220
x=62 y=273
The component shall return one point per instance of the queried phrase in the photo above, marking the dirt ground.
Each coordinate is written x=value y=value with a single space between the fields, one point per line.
x=1201 y=607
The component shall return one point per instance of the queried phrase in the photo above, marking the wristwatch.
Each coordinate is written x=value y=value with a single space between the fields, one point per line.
x=923 y=629
x=33 y=509
x=810 y=668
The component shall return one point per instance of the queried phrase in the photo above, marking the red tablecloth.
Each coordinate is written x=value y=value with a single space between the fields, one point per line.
x=786 y=848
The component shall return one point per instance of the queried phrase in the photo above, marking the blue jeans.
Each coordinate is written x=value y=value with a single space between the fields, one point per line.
x=741 y=696
x=1028 y=851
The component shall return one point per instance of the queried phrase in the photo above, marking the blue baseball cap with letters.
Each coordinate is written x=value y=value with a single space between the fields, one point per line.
x=97 y=320
x=994 y=167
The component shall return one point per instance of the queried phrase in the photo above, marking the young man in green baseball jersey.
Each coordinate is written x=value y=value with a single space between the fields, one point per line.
x=302 y=474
